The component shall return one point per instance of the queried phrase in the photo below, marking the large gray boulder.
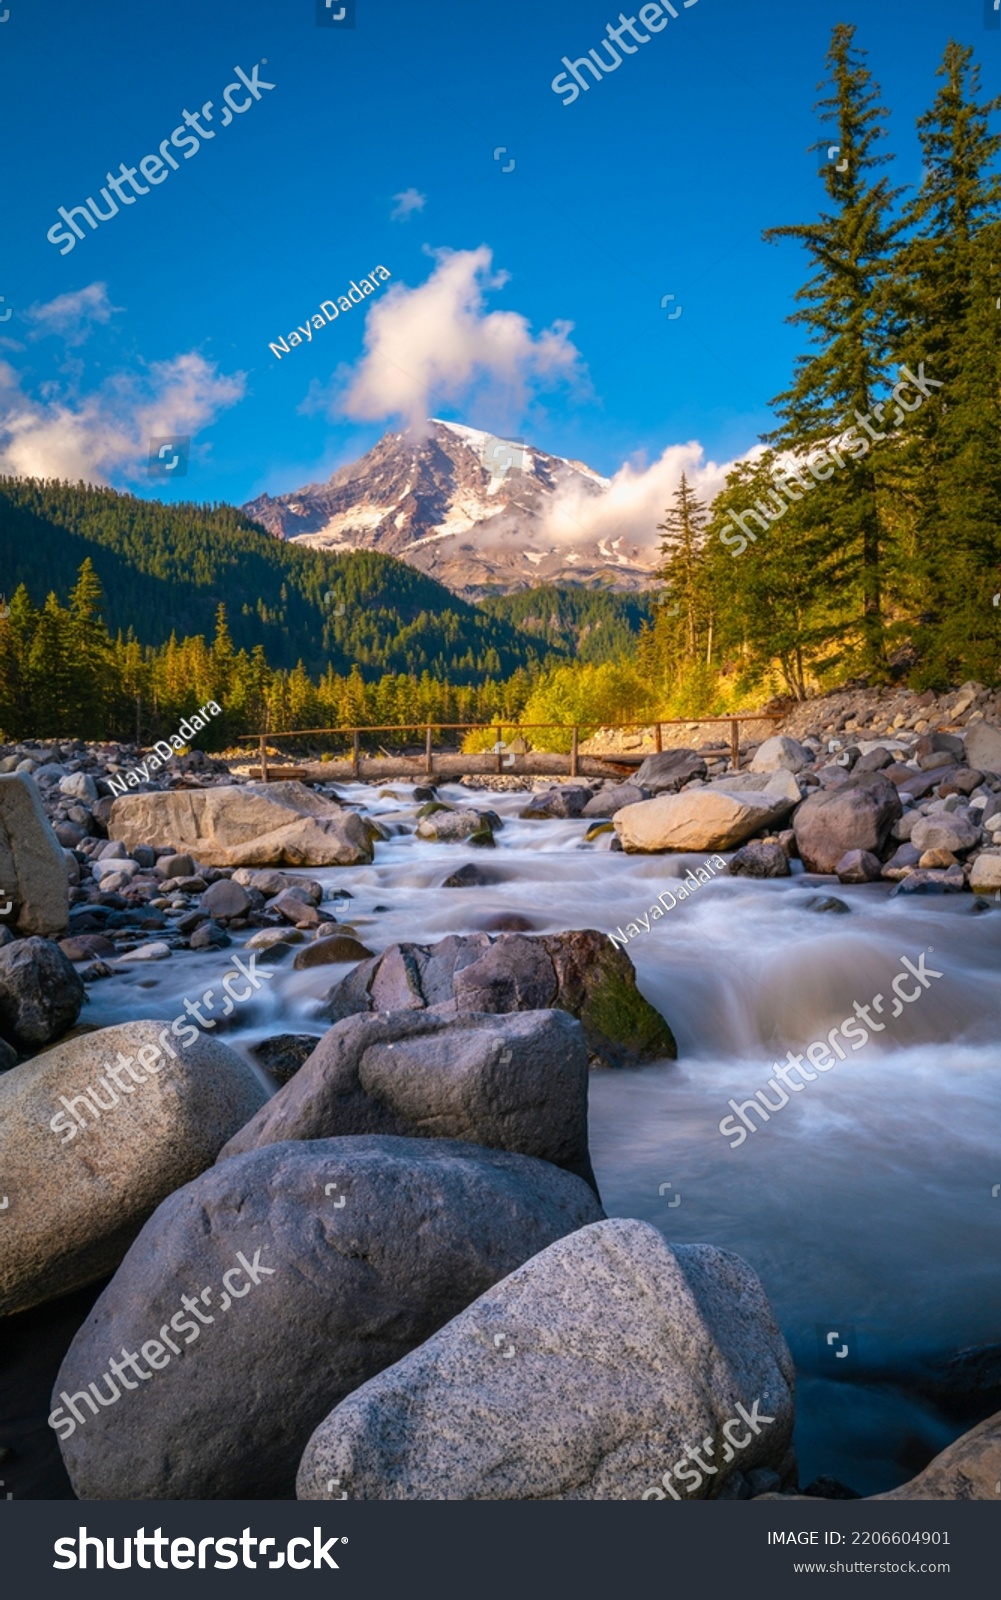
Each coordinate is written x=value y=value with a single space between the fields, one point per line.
x=245 y=825
x=581 y=972
x=514 y=1083
x=668 y=770
x=781 y=752
x=312 y=1266
x=983 y=747
x=89 y=1147
x=32 y=868
x=858 y=815
x=40 y=993
x=590 y=1373
x=699 y=819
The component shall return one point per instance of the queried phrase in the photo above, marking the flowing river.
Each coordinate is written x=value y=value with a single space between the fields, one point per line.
x=864 y=1204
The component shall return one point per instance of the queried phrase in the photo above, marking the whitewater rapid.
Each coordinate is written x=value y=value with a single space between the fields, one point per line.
x=865 y=1204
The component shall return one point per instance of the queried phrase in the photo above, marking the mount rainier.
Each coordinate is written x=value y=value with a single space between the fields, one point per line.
x=473 y=511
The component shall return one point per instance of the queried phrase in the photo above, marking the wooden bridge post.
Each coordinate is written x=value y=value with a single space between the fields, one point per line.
x=355 y=756
x=497 y=743
x=428 y=758
x=264 y=758
x=573 y=750
x=735 y=744
x=658 y=741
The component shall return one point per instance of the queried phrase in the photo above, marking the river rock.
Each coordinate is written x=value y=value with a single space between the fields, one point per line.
x=284 y=1053
x=40 y=993
x=926 y=881
x=329 y=952
x=271 y=938
x=781 y=752
x=175 y=866
x=332 y=1287
x=668 y=770
x=581 y=972
x=903 y=861
x=470 y=876
x=446 y=827
x=699 y=819
x=79 y=786
x=274 y=883
x=859 y=866
x=612 y=798
x=515 y=1083
x=759 y=861
x=876 y=760
x=933 y=743
x=295 y=907
x=983 y=747
x=985 y=874
x=965 y=1470
x=587 y=1374
x=225 y=899
x=945 y=830
x=32 y=870
x=78 y=1199
x=856 y=816
x=565 y=800
x=245 y=825
x=963 y=781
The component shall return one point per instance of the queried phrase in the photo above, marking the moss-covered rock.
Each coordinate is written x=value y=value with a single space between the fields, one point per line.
x=580 y=972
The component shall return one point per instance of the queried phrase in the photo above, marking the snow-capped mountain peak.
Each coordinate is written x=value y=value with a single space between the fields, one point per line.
x=471 y=509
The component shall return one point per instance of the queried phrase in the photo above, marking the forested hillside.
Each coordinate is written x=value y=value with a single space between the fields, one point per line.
x=164 y=569
x=587 y=624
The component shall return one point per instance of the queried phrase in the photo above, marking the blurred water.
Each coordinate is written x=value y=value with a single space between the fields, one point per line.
x=864 y=1203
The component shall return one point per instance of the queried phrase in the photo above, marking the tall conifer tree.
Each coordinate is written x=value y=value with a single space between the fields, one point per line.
x=847 y=308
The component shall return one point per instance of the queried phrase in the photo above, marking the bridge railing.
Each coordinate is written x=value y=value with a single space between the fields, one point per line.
x=574 y=729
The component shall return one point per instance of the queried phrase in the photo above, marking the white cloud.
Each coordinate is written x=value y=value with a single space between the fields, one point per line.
x=106 y=434
x=636 y=498
x=72 y=316
x=406 y=203
x=435 y=343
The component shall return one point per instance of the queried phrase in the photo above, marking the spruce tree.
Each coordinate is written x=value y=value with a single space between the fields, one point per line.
x=683 y=529
x=91 y=649
x=51 y=672
x=951 y=283
x=847 y=310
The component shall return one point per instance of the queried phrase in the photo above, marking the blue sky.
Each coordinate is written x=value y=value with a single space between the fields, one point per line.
x=657 y=181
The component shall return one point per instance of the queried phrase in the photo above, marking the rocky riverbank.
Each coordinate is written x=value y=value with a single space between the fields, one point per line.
x=435 y=1129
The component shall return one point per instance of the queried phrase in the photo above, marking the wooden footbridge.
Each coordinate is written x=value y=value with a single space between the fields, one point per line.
x=509 y=757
